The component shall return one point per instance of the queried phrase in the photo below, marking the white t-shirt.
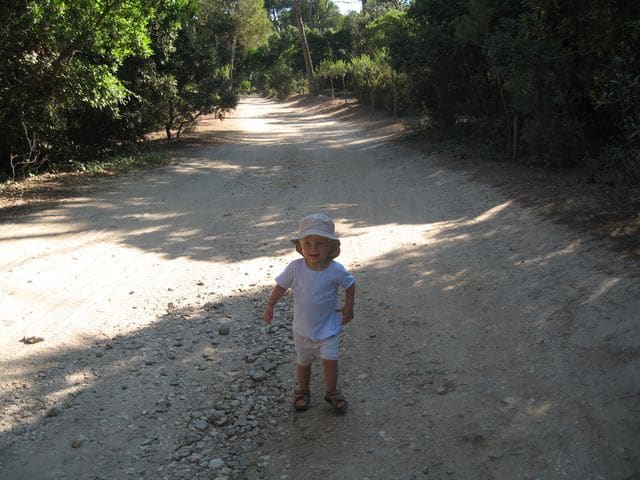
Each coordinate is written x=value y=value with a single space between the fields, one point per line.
x=315 y=297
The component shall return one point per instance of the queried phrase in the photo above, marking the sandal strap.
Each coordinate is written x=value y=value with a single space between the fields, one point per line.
x=337 y=401
x=335 y=395
x=301 y=393
x=301 y=399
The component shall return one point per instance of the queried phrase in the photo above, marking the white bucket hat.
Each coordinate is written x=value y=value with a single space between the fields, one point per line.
x=317 y=224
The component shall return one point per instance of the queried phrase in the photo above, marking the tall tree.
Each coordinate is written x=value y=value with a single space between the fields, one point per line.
x=297 y=11
x=251 y=26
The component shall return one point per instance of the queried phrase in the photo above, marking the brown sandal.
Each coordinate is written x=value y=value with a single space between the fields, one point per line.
x=337 y=401
x=301 y=399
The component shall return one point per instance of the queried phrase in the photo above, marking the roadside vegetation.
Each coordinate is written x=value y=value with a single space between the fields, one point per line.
x=536 y=81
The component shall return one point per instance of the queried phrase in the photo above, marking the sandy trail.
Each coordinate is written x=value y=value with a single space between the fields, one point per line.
x=488 y=343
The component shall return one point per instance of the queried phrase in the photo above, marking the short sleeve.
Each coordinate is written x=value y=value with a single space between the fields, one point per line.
x=346 y=279
x=285 y=279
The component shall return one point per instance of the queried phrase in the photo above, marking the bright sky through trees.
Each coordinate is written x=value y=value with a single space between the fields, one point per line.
x=347 y=6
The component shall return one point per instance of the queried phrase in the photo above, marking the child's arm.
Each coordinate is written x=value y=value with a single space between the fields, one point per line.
x=277 y=293
x=349 y=300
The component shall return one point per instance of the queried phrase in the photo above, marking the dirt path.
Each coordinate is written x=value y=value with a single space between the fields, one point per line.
x=489 y=343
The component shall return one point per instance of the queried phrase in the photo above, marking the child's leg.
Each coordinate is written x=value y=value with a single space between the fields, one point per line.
x=301 y=396
x=305 y=356
x=303 y=376
x=330 y=368
x=333 y=396
x=329 y=355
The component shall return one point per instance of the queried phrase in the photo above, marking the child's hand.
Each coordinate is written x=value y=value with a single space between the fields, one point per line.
x=276 y=295
x=347 y=314
x=267 y=315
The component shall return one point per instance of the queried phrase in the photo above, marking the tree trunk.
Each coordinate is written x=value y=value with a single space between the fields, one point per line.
x=169 y=121
x=509 y=133
x=305 y=47
x=514 y=142
x=395 y=101
x=344 y=90
x=234 y=43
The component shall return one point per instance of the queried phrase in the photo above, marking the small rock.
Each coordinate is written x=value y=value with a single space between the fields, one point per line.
x=192 y=437
x=200 y=424
x=269 y=366
x=182 y=452
x=163 y=406
x=53 y=412
x=216 y=464
x=215 y=415
x=258 y=375
x=224 y=330
x=222 y=422
x=495 y=455
x=31 y=340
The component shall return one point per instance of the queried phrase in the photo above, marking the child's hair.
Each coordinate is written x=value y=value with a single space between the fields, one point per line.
x=333 y=252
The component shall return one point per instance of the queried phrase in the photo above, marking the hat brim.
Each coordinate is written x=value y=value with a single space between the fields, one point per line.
x=313 y=231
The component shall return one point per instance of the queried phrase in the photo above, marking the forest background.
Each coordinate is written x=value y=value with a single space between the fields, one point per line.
x=547 y=82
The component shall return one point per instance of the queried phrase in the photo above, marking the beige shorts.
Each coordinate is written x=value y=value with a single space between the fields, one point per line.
x=308 y=350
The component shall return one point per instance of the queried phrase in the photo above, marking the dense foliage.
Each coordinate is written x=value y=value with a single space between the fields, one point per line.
x=543 y=77
x=541 y=80
x=81 y=79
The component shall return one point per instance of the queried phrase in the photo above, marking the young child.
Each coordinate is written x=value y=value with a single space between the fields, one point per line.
x=315 y=281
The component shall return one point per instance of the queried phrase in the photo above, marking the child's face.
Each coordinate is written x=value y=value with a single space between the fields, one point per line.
x=315 y=250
